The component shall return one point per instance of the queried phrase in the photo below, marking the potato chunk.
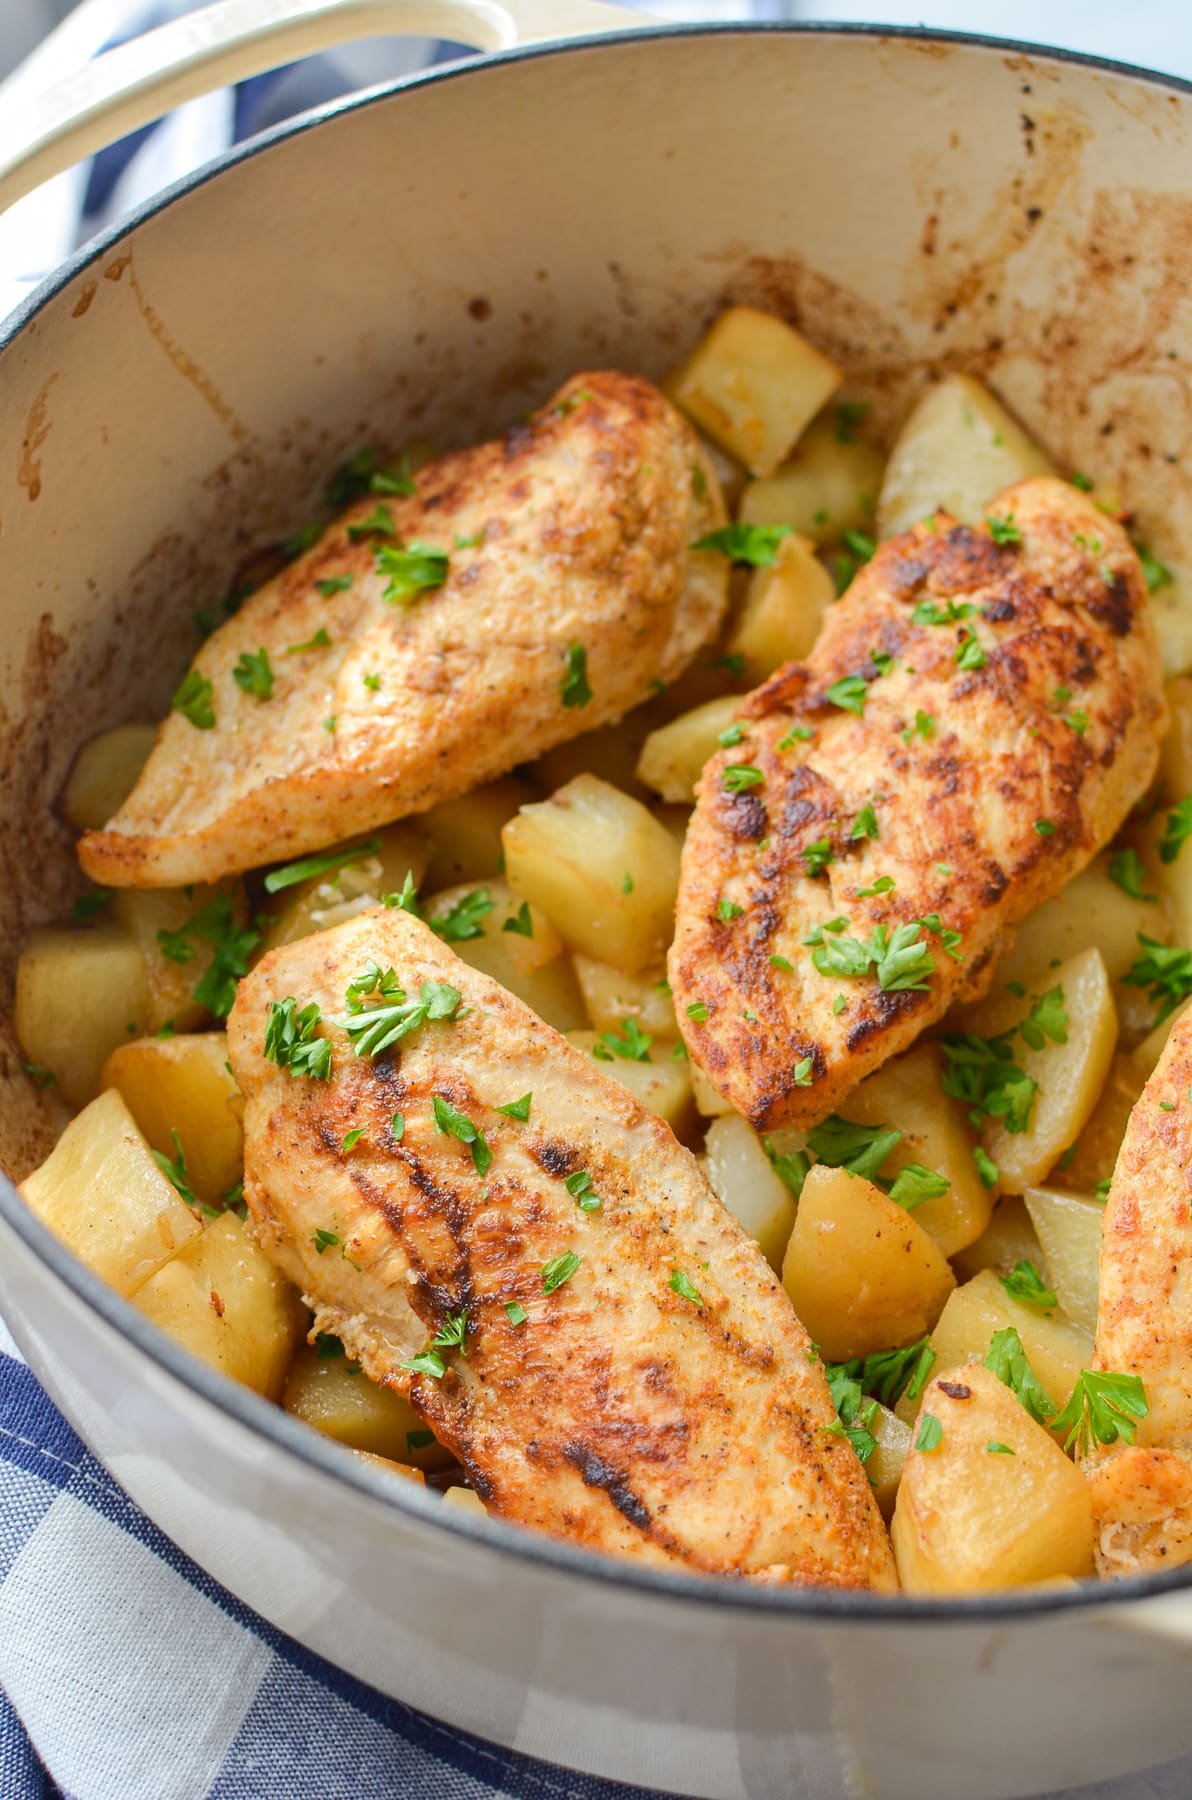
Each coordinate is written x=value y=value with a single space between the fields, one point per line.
x=905 y=1094
x=1069 y=1075
x=1056 y=1347
x=709 y=1103
x=746 y=1181
x=335 y=1396
x=860 y=1273
x=101 y=1192
x=1009 y=1238
x=223 y=1300
x=884 y=1468
x=1175 y=753
x=753 y=384
x=465 y=833
x=611 y=997
x=661 y=1082
x=957 y=450
x=782 y=609
x=184 y=1084
x=78 y=995
x=994 y=1503
x=1091 y=912
x=175 y=959
x=326 y=900
x=104 y=773
x=673 y=757
x=829 y=486
x=601 y=867
x=531 y=965
x=1069 y=1228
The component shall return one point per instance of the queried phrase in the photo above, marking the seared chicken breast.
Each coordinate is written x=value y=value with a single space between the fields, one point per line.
x=498 y=1230
x=1142 y=1494
x=981 y=710
x=527 y=591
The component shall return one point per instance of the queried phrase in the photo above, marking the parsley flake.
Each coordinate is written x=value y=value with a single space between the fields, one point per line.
x=727 y=910
x=516 y=1312
x=410 y=570
x=1166 y=970
x=865 y=824
x=686 y=1289
x=1003 y=530
x=849 y=693
x=1024 y=1282
x=290 y=1040
x=1176 y=831
x=521 y=924
x=193 y=698
x=738 y=778
x=756 y=545
x=311 y=867
x=913 y=1185
x=517 y=1109
x=931 y=1433
x=457 y=1125
x=1102 y=1408
x=462 y=921
x=334 y=584
x=253 y=674
x=1126 y=869
x=575 y=690
x=1008 y=1361
x=558 y=1270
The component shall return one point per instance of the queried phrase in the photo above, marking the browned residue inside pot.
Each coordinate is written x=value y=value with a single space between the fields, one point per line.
x=37 y=430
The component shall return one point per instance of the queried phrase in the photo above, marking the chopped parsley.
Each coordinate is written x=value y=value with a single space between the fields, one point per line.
x=311 y=867
x=1003 y=530
x=39 y=1075
x=453 y=1333
x=175 y=946
x=457 y=1125
x=334 y=584
x=996 y=1449
x=1084 y=482
x=686 y=1289
x=351 y=1139
x=516 y=1312
x=1045 y=827
x=804 y=1073
x=855 y=1412
x=923 y=726
x=302 y=540
x=397 y=1127
x=372 y=682
x=1008 y=1361
x=176 y=1172
x=428 y=1363
x=817 y=856
x=1101 y=1409
x=575 y=690
x=968 y=653
x=927 y=612
x=627 y=883
x=931 y=1433
x=1125 y=868
x=913 y=1185
x=375 y=1028
x=579 y=1186
x=798 y=734
x=861 y=546
x=1177 y=830
x=727 y=910
x=253 y=674
x=1157 y=574
x=320 y=641
x=698 y=1010
x=865 y=824
x=849 y=693
x=861 y=1149
x=1166 y=970
x=558 y=1270
x=1024 y=1282
x=756 y=545
x=362 y=474
x=730 y=737
x=290 y=1039
x=983 y=1074
x=784 y=963
x=410 y=570
x=192 y=699
x=791 y=1167
x=405 y=899
x=379 y=523
x=324 y=1240
x=901 y=960
x=517 y=1109
x=631 y=1043
x=520 y=922
x=883 y=885
x=231 y=946
x=462 y=922
x=419 y=1440
x=738 y=778
x=89 y=905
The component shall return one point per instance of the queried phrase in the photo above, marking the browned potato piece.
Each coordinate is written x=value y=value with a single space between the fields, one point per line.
x=533 y=967
x=662 y=1083
x=601 y=867
x=905 y=1094
x=334 y=1396
x=783 y=608
x=860 y=1273
x=184 y=1085
x=1009 y=1238
x=829 y=485
x=611 y=996
x=1069 y=1228
x=56 y=1032
x=223 y=1300
x=958 y=448
x=1056 y=1347
x=101 y=1192
x=465 y=834
x=172 y=969
x=995 y=1503
x=753 y=384
x=326 y=900
x=673 y=756
x=104 y=774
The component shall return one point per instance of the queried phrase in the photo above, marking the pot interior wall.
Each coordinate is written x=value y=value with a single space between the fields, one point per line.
x=431 y=263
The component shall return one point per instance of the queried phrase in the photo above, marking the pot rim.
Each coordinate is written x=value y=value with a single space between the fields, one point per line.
x=252 y=1411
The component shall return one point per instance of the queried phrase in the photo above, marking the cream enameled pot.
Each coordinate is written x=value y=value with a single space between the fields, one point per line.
x=431 y=259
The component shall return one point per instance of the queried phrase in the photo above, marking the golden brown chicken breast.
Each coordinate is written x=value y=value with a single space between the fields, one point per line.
x=497 y=1229
x=527 y=591
x=979 y=713
x=1142 y=1494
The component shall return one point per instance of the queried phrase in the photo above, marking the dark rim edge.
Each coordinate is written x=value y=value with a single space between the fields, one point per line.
x=256 y=1414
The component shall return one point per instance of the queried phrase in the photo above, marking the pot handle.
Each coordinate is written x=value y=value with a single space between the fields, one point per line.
x=128 y=87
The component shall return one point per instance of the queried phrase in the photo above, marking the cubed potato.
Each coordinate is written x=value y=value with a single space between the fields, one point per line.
x=1057 y=1347
x=662 y=1084
x=145 y=913
x=1009 y=1238
x=886 y=1463
x=860 y=1273
x=1070 y=1075
x=524 y=931
x=958 y=449
x=104 y=773
x=101 y=1192
x=905 y=1094
x=611 y=996
x=601 y=867
x=465 y=1500
x=1069 y=1228
x=1171 y=605
x=1172 y=881
x=753 y=384
x=745 y=1180
x=535 y=968
x=829 y=486
x=709 y=1104
x=184 y=1085
x=333 y=1395
x=1091 y=912
x=78 y=995
x=612 y=753
x=1175 y=752
x=223 y=1300
x=995 y=1503
x=783 y=608
x=1096 y=1149
x=673 y=757
x=388 y=1466
x=465 y=834
x=327 y=900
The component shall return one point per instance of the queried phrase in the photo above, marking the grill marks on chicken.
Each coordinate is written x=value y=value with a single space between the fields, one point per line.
x=1142 y=1493
x=622 y=1413
x=980 y=712
x=574 y=529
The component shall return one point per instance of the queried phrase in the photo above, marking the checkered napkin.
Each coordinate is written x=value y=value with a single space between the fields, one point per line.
x=127 y=1674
